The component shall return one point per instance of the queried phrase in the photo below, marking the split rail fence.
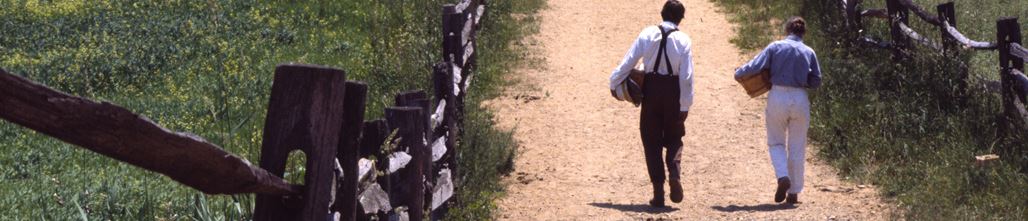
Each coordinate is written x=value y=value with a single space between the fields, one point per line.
x=1012 y=54
x=401 y=167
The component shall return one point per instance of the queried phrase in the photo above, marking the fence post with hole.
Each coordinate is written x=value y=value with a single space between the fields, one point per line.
x=304 y=113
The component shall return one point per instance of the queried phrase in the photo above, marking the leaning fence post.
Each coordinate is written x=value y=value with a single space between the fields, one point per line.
x=304 y=113
x=1007 y=32
x=898 y=14
x=349 y=151
x=409 y=123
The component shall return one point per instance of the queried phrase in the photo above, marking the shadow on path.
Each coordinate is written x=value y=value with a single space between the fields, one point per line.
x=767 y=207
x=638 y=208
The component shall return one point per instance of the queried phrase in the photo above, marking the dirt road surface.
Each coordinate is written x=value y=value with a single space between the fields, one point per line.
x=580 y=156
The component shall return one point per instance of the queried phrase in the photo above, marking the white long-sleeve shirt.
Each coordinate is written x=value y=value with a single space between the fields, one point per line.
x=646 y=46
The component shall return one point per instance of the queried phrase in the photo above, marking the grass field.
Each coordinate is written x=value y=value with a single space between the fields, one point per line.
x=206 y=67
x=905 y=127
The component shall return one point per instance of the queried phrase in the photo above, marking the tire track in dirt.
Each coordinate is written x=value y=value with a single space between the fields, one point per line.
x=580 y=156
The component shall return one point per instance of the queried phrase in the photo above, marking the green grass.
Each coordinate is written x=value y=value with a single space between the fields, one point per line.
x=905 y=127
x=487 y=153
x=206 y=67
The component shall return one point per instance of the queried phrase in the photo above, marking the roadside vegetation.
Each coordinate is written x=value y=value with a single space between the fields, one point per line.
x=906 y=127
x=205 y=67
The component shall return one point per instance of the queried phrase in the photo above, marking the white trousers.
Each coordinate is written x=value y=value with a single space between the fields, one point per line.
x=788 y=118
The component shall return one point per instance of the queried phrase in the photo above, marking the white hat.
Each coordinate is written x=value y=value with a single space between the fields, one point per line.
x=629 y=91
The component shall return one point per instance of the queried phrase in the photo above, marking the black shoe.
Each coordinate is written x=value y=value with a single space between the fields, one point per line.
x=657 y=202
x=783 y=185
x=676 y=191
x=658 y=195
x=793 y=198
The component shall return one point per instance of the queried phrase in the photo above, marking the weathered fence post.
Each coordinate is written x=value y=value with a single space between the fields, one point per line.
x=375 y=133
x=446 y=91
x=304 y=113
x=416 y=98
x=374 y=136
x=1007 y=32
x=947 y=13
x=409 y=122
x=442 y=84
x=349 y=152
x=898 y=14
x=853 y=16
x=452 y=22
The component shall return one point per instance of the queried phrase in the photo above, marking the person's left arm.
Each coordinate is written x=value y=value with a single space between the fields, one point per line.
x=760 y=62
x=685 y=80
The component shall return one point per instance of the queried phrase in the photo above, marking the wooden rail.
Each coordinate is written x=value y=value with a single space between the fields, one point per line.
x=118 y=133
x=967 y=42
x=400 y=166
x=1013 y=83
x=910 y=33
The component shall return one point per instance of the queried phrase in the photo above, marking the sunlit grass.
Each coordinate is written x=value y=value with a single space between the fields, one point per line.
x=205 y=67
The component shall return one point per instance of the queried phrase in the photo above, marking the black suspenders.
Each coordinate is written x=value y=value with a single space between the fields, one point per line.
x=663 y=51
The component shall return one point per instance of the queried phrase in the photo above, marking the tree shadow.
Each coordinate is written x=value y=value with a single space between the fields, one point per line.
x=638 y=208
x=767 y=207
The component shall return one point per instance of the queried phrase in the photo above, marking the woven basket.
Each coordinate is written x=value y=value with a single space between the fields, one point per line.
x=757 y=84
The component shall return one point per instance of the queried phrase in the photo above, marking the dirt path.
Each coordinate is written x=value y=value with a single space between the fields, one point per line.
x=581 y=157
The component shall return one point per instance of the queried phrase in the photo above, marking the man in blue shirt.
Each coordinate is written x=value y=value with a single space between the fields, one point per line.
x=794 y=69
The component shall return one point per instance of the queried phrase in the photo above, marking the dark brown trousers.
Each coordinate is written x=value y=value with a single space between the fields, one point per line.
x=661 y=125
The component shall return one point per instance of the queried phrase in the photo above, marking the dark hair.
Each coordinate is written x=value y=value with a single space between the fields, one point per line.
x=796 y=25
x=673 y=11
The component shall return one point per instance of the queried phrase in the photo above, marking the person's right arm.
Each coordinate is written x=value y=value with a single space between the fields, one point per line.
x=814 y=77
x=631 y=58
x=762 y=61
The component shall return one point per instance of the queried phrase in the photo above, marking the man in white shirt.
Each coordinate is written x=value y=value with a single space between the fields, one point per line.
x=667 y=91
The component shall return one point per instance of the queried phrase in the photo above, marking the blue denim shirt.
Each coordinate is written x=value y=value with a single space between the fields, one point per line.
x=792 y=64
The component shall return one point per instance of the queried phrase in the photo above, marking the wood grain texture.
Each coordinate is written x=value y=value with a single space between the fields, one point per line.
x=305 y=112
x=118 y=133
x=409 y=122
x=348 y=153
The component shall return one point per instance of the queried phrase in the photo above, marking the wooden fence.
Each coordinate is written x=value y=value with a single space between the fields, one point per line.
x=401 y=167
x=1012 y=55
